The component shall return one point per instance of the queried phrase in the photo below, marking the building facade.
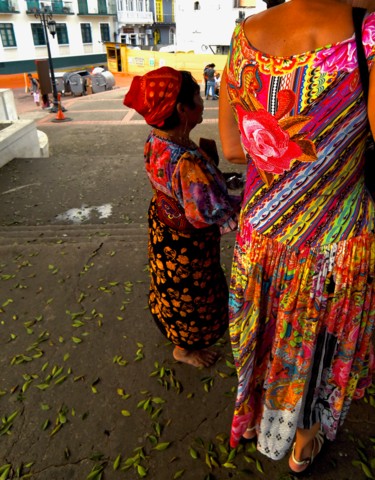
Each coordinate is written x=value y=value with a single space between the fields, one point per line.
x=82 y=28
x=145 y=23
x=206 y=26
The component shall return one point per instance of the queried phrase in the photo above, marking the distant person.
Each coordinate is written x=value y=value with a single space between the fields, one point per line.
x=189 y=209
x=210 y=72
x=34 y=89
x=205 y=78
x=217 y=83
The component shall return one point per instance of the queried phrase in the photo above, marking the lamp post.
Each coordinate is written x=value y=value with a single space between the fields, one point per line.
x=46 y=20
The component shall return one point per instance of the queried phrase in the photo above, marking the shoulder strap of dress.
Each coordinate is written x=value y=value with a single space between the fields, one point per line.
x=358 y=16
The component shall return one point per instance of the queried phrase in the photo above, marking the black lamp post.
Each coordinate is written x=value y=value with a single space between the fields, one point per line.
x=46 y=20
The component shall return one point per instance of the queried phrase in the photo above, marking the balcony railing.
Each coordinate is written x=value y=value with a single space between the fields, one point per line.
x=134 y=17
x=8 y=6
x=56 y=7
x=166 y=19
x=102 y=7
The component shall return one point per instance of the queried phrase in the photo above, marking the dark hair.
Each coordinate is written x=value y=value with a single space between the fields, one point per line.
x=189 y=88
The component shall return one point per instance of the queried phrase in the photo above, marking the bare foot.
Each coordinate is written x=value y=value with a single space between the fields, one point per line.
x=197 y=358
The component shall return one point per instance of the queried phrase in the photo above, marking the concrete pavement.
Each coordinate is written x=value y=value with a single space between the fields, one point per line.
x=88 y=386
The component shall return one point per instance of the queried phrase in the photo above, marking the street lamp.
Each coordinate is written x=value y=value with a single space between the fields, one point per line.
x=46 y=20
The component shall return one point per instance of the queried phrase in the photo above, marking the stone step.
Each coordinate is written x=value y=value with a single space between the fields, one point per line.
x=135 y=232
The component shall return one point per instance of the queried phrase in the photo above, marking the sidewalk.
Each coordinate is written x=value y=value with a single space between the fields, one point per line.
x=88 y=385
x=18 y=80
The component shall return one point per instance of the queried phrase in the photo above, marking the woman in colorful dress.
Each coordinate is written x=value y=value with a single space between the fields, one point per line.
x=302 y=300
x=190 y=208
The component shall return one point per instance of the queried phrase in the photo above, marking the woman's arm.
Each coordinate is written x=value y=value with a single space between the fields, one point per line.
x=229 y=133
x=201 y=191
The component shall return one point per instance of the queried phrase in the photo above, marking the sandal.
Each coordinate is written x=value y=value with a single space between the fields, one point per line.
x=299 y=466
x=249 y=434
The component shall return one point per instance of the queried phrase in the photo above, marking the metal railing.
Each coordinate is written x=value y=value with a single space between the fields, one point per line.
x=135 y=17
x=55 y=7
x=166 y=18
x=103 y=7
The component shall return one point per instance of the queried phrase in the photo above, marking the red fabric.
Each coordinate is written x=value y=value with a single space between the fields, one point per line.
x=154 y=94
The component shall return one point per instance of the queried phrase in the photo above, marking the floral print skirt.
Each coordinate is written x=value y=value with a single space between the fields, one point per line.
x=301 y=325
x=188 y=292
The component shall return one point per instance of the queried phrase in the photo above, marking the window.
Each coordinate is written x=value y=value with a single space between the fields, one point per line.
x=86 y=33
x=62 y=34
x=38 y=34
x=7 y=35
x=159 y=10
x=172 y=36
x=244 y=3
x=104 y=32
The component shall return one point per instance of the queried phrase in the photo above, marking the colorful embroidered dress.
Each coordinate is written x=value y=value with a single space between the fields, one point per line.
x=302 y=300
x=188 y=291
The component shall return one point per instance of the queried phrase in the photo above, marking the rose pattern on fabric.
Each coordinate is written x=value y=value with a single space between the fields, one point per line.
x=274 y=142
x=269 y=146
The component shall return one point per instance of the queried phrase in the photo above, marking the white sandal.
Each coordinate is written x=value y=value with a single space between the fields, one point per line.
x=302 y=465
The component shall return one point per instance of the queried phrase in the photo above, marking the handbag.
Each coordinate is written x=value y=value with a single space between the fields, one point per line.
x=358 y=15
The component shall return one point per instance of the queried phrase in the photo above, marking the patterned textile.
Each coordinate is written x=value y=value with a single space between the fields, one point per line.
x=188 y=292
x=302 y=300
x=193 y=179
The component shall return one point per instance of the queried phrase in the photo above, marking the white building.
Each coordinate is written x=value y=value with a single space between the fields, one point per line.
x=145 y=23
x=206 y=26
x=81 y=28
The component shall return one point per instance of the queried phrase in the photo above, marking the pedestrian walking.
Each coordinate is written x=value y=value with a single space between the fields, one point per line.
x=34 y=89
x=189 y=209
x=210 y=90
x=205 y=78
x=302 y=292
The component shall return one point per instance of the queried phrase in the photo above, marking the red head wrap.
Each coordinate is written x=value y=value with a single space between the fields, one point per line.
x=154 y=94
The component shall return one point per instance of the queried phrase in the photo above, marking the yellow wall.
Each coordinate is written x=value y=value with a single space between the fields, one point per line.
x=139 y=62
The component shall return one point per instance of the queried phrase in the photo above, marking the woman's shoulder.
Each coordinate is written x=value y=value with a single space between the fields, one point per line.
x=293 y=29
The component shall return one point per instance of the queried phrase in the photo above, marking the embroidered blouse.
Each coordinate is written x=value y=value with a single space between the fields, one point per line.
x=190 y=177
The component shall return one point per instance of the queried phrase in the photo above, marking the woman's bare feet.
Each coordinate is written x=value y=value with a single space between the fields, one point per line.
x=197 y=358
